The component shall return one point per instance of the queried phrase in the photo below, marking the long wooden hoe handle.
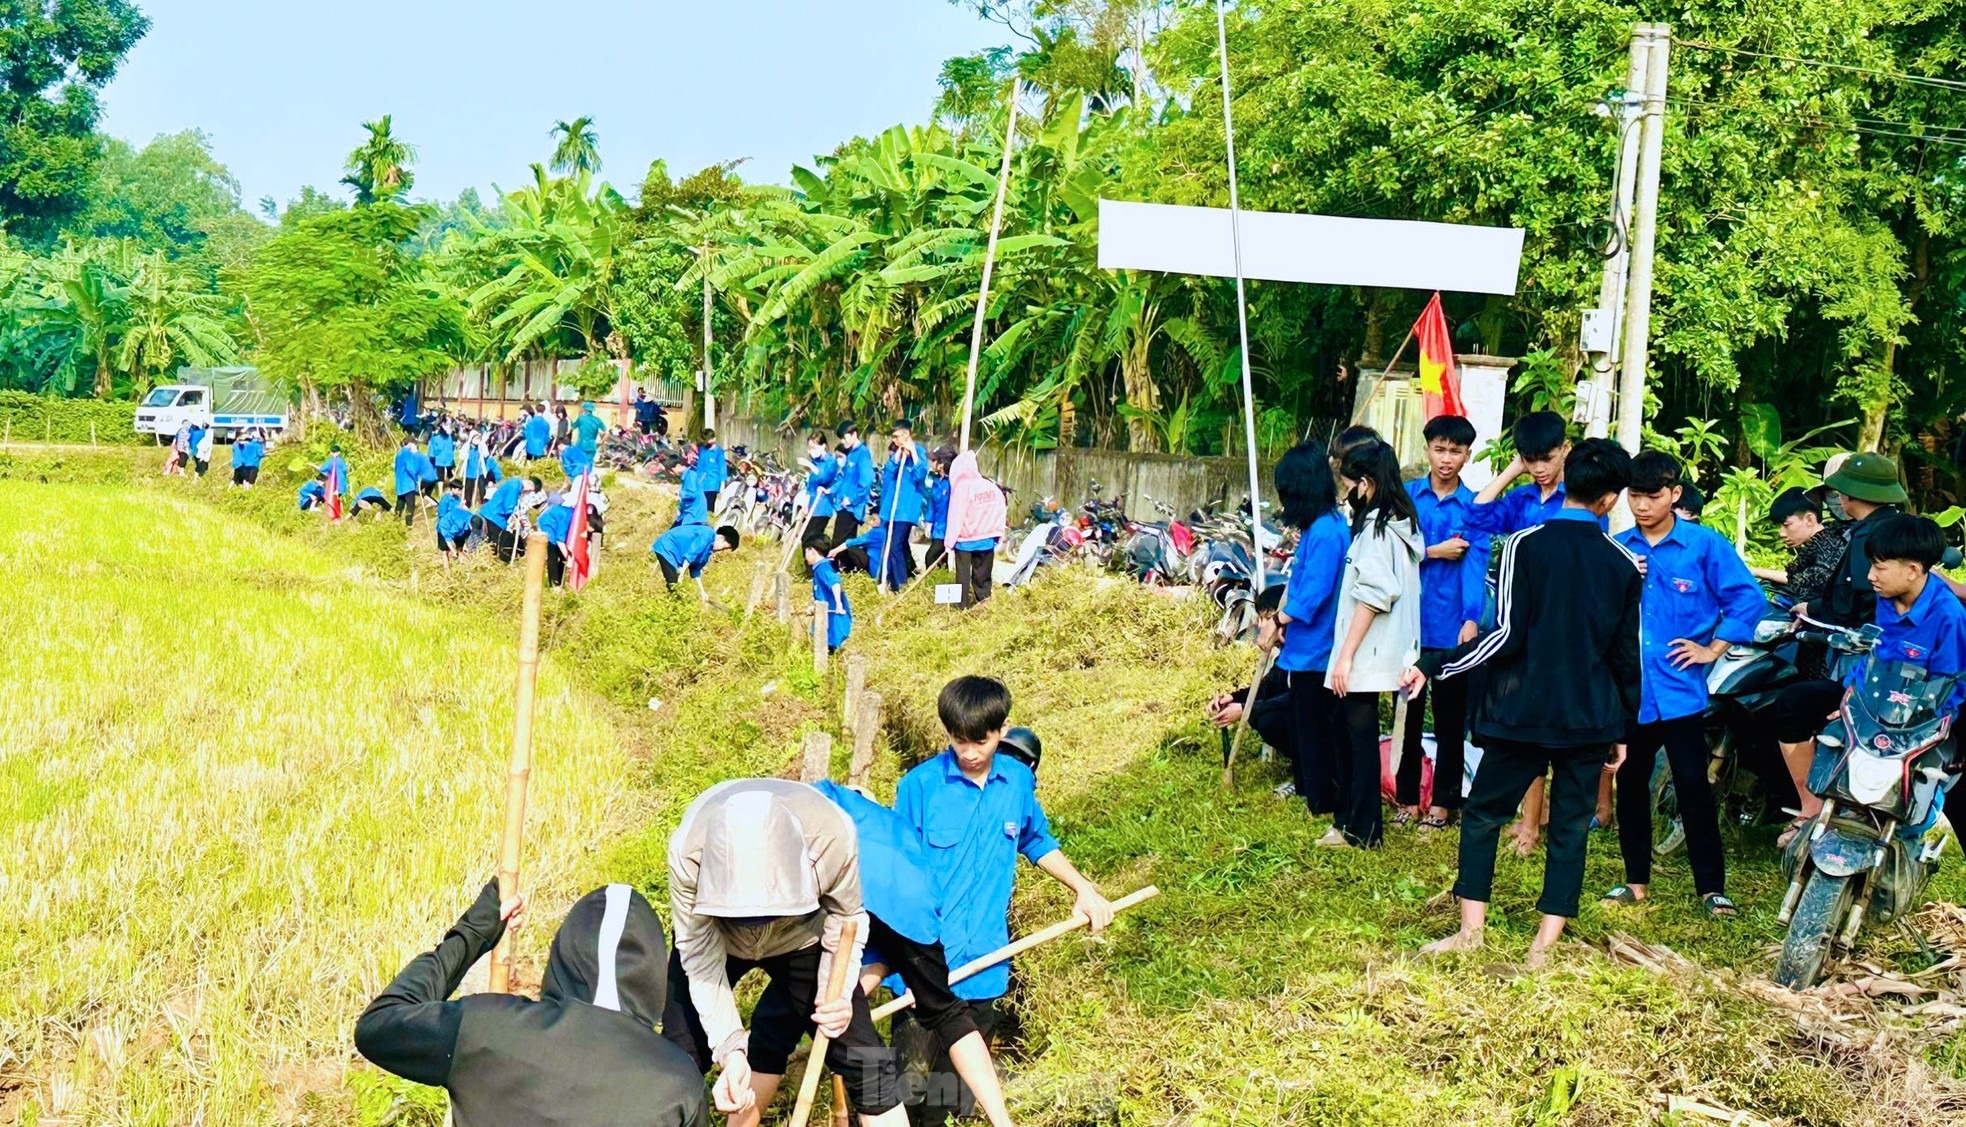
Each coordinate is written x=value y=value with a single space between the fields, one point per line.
x=837 y=985
x=518 y=774
x=1263 y=662
x=1018 y=947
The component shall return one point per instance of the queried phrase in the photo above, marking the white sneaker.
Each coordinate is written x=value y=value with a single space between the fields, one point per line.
x=1333 y=838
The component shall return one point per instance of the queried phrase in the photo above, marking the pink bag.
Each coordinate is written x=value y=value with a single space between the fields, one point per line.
x=1388 y=788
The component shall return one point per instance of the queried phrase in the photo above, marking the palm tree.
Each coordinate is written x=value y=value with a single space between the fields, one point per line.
x=380 y=168
x=577 y=148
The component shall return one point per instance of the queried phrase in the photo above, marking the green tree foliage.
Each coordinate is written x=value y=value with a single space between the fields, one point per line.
x=172 y=195
x=56 y=56
x=576 y=146
x=379 y=169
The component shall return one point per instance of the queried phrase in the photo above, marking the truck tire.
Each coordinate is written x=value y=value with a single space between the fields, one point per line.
x=1819 y=915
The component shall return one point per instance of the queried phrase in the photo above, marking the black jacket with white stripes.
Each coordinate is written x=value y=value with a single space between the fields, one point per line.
x=1561 y=666
x=586 y=1053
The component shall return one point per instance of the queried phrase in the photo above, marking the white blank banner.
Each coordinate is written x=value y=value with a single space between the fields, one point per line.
x=1321 y=249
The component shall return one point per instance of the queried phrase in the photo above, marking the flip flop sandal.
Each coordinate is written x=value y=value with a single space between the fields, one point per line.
x=1719 y=907
x=1433 y=823
x=1403 y=818
x=1622 y=896
x=1795 y=827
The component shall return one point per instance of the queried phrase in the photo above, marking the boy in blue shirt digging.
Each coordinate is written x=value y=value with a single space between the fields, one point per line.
x=1698 y=599
x=827 y=589
x=977 y=811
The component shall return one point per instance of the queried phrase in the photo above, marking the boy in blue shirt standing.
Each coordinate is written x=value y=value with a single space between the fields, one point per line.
x=938 y=505
x=409 y=479
x=247 y=454
x=1698 y=599
x=1452 y=591
x=1541 y=444
x=855 y=485
x=904 y=481
x=977 y=811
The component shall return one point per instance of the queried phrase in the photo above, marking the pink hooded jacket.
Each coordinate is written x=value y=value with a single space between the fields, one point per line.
x=976 y=506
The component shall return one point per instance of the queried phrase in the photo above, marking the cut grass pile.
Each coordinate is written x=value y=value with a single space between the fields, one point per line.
x=1269 y=983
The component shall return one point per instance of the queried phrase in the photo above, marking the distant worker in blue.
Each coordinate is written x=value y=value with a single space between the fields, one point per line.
x=823 y=469
x=495 y=515
x=480 y=469
x=712 y=468
x=453 y=523
x=855 y=485
x=314 y=494
x=938 y=505
x=904 y=489
x=827 y=591
x=646 y=411
x=587 y=430
x=247 y=454
x=538 y=432
x=336 y=469
x=689 y=547
x=443 y=453
x=409 y=479
x=370 y=500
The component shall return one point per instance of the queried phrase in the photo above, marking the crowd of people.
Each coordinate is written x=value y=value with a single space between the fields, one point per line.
x=780 y=877
x=1569 y=656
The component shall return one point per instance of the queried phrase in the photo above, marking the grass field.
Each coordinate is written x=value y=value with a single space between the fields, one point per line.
x=226 y=860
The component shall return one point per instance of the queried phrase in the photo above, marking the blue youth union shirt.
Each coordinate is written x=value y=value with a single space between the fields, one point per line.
x=895 y=880
x=974 y=835
x=1519 y=508
x=1451 y=591
x=686 y=546
x=1696 y=587
x=1931 y=635
x=1311 y=599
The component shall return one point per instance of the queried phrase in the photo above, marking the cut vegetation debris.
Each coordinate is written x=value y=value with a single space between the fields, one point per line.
x=1269 y=983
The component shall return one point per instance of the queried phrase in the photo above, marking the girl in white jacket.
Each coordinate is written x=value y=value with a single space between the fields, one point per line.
x=1377 y=629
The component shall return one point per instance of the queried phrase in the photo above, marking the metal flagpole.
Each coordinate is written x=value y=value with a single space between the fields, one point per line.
x=1242 y=306
x=990 y=260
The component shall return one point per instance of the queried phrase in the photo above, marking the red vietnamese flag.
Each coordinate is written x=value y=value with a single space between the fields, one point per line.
x=1440 y=384
x=334 y=489
x=579 y=551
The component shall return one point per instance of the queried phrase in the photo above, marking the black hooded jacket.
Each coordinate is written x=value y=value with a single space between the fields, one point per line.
x=586 y=1053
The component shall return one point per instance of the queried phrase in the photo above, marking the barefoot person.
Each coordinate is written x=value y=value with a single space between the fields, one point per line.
x=585 y=1052
x=1556 y=686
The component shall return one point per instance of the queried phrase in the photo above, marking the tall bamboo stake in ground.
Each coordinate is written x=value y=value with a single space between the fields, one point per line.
x=1263 y=661
x=1242 y=304
x=518 y=773
x=836 y=986
x=990 y=260
x=816 y=757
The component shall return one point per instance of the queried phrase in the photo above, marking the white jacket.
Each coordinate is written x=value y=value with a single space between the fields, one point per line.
x=1382 y=571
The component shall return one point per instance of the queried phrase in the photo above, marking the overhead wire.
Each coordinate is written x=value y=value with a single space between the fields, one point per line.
x=1802 y=60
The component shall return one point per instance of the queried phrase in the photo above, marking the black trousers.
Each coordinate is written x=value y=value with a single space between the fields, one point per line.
x=973 y=571
x=782 y=1019
x=1450 y=701
x=474 y=492
x=1684 y=741
x=1318 y=736
x=453 y=543
x=1803 y=710
x=245 y=475
x=931 y=1088
x=924 y=970
x=710 y=502
x=937 y=551
x=669 y=572
x=846 y=526
x=897 y=563
x=1507 y=768
x=815 y=526
x=1356 y=770
x=556 y=565
x=406 y=505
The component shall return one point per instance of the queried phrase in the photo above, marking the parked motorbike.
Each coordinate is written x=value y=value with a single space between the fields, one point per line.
x=1047 y=544
x=1884 y=763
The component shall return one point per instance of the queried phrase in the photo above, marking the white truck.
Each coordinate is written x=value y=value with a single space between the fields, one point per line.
x=230 y=401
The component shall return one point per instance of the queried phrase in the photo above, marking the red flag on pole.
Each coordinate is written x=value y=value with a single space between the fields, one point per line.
x=334 y=489
x=1440 y=384
x=579 y=551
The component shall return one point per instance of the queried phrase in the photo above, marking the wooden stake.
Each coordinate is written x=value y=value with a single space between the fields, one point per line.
x=1018 y=947
x=866 y=729
x=518 y=773
x=92 y=434
x=816 y=758
x=794 y=532
x=784 y=591
x=990 y=260
x=1263 y=661
x=842 y=1115
x=837 y=985
x=760 y=579
x=856 y=683
x=821 y=613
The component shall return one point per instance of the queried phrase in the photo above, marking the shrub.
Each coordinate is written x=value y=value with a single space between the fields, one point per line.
x=41 y=418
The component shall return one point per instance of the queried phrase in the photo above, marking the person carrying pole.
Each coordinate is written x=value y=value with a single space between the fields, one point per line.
x=904 y=484
x=764 y=874
x=585 y=1052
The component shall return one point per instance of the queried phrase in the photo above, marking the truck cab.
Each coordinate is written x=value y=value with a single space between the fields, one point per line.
x=169 y=407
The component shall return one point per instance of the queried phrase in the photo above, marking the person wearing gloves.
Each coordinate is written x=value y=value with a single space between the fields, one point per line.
x=585 y=1052
x=977 y=518
x=904 y=485
x=1376 y=631
x=765 y=874
x=854 y=485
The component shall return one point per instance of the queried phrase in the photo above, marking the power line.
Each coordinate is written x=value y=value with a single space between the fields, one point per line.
x=1893 y=75
x=1949 y=135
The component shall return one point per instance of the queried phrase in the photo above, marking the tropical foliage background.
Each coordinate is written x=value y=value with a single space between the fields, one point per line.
x=1810 y=272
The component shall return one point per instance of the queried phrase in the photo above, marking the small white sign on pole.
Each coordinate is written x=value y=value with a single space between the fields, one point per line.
x=1320 y=249
x=948 y=594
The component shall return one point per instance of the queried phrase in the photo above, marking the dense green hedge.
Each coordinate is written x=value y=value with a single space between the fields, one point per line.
x=40 y=418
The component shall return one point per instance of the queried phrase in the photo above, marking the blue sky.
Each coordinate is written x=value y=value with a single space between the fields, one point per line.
x=283 y=88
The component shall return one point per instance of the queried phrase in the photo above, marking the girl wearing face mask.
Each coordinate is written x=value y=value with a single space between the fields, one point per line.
x=822 y=477
x=1376 y=629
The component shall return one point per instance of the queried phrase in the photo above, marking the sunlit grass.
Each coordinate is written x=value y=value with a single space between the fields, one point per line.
x=240 y=782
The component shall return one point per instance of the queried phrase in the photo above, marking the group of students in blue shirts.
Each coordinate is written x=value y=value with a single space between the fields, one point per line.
x=1691 y=597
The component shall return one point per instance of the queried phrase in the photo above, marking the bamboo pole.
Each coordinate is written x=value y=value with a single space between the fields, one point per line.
x=794 y=533
x=838 y=983
x=866 y=729
x=518 y=773
x=1261 y=575
x=990 y=261
x=842 y=1115
x=820 y=614
x=1017 y=947
x=1263 y=662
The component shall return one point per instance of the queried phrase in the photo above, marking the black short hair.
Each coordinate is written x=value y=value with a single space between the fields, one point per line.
x=1901 y=536
x=901 y=424
x=1538 y=434
x=537 y=485
x=1450 y=428
x=818 y=436
x=943 y=456
x=1655 y=471
x=1692 y=502
x=1305 y=486
x=817 y=542
x=1791 y=502
x=1352 y=437
x=845 y=428
x=1596 y=468
x=973 y=707
x=1270 y=600
x=728 y=533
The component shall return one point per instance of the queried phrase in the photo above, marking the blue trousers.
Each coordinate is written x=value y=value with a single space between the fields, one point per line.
x=899 y=566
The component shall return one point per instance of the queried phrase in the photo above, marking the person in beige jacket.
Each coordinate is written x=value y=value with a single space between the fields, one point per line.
x=1377 y=629
x=765 y=874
